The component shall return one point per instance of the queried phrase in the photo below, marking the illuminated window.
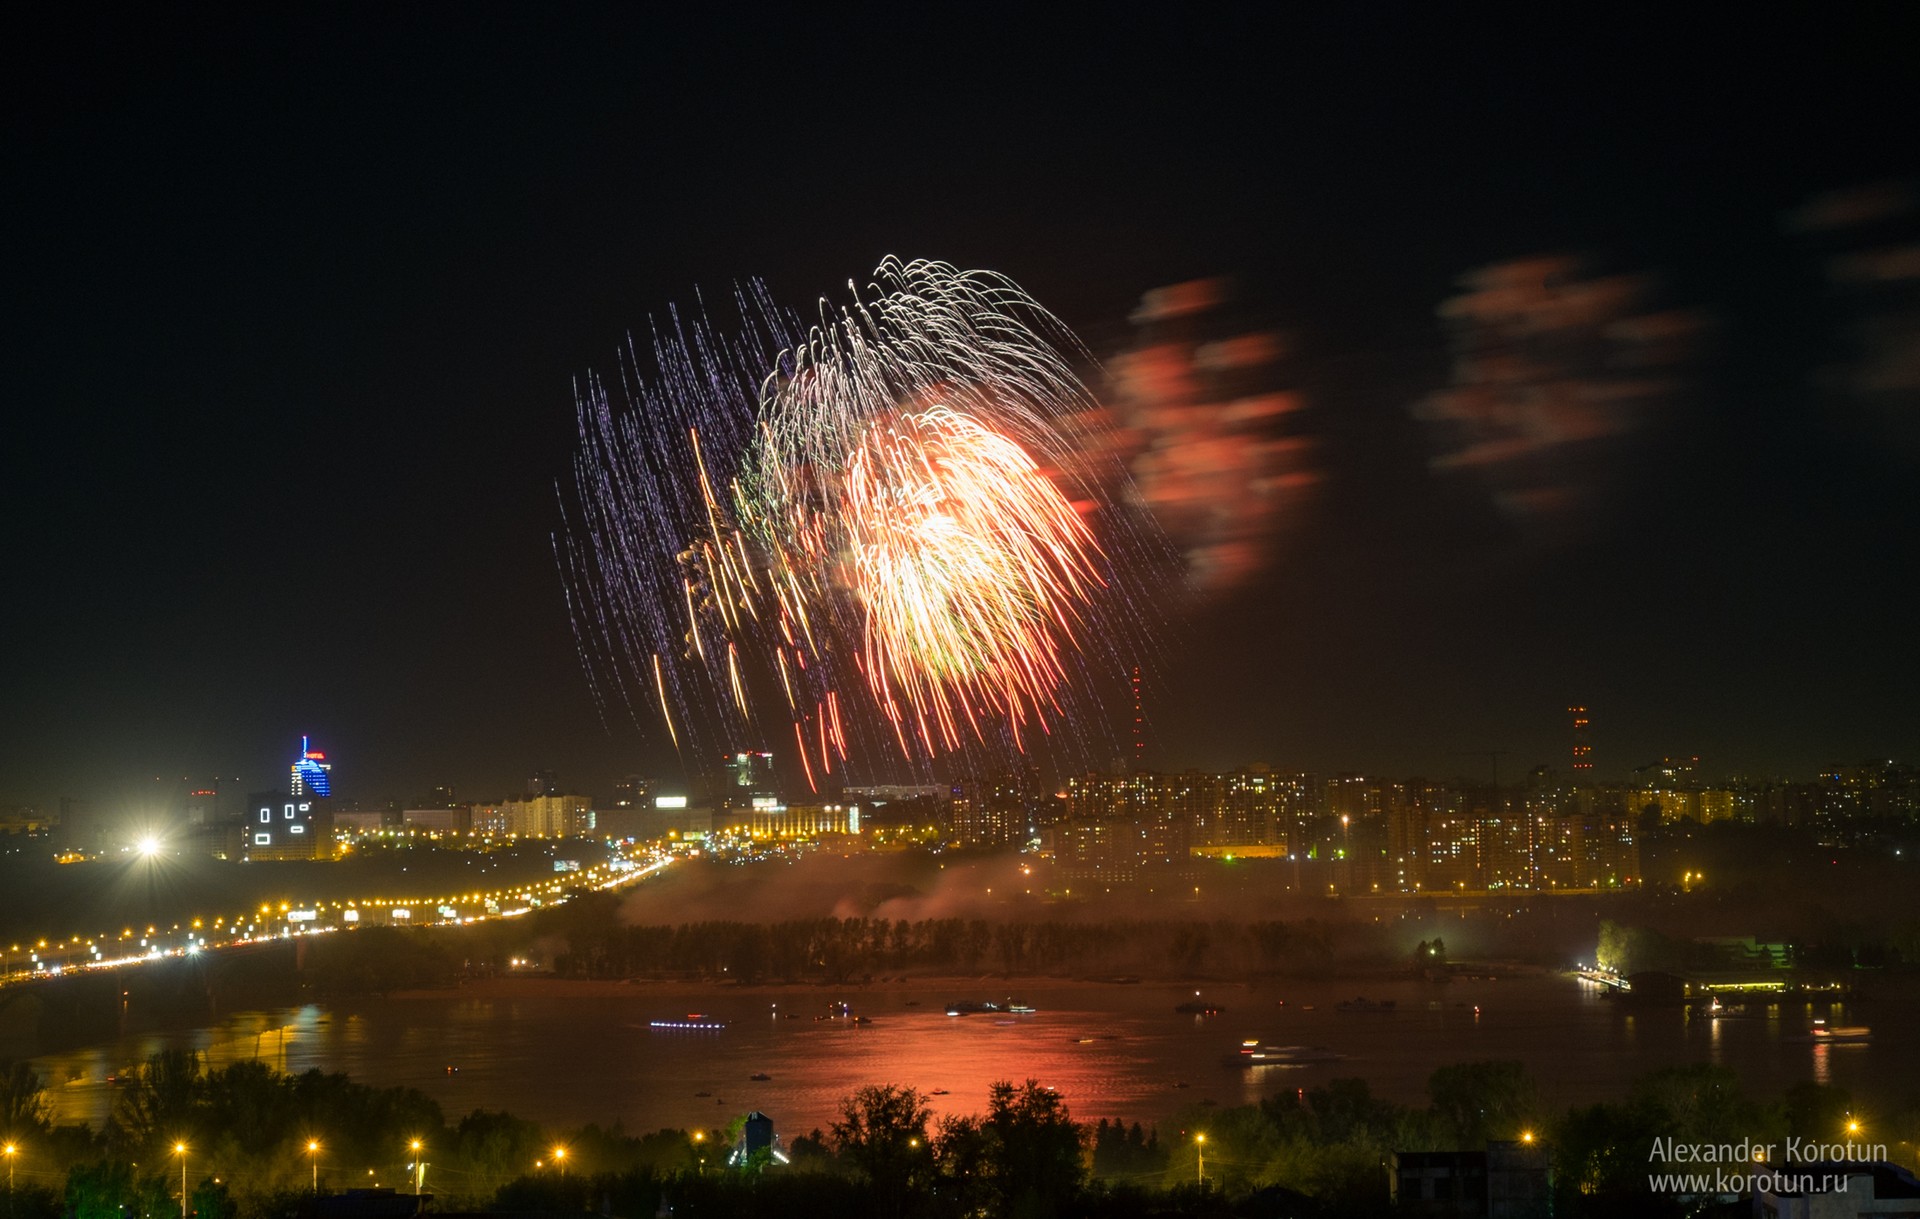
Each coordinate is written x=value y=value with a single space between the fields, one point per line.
x=298 y=829
x=261 y=840
x=266 y=816
x=289 y=811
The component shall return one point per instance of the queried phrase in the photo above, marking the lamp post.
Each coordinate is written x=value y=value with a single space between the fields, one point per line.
x=560 y=1158
x=419 y=1168
x=313 y=1153
x=180 y=1149
x=11 y=1151
x=1200 y=1165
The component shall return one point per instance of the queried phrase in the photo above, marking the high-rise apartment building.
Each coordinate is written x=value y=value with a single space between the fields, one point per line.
x=748 y=774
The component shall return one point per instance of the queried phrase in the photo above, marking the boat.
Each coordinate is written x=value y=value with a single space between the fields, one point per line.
x=692 y=1020
x=970 y=1007
x=1364 y=1004
x=1824 y=1032
x=938 y=1092
x=1196 y=1007
x=759 y=1077
x=1254 y=1055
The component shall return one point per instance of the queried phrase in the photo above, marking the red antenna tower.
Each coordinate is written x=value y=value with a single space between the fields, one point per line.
x=1139 y=727
x=1582 y=746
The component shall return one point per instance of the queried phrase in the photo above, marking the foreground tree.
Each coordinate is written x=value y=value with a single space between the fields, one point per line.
x=159 y=1105
x=23 y=1100
x=882 y=1136
x=1478 y=1101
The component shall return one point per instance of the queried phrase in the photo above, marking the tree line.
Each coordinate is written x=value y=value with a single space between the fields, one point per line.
x=841 y=950
x=258 y=1143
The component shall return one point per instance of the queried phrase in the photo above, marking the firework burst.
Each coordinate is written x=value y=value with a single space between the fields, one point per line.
x=888 y=510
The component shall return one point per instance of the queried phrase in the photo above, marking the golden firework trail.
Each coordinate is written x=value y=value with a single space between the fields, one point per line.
x=903 y=476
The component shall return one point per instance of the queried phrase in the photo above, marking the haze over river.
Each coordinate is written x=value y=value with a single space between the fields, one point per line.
x=571 y=1053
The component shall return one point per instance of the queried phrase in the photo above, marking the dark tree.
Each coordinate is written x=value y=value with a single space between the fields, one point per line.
x=1035 y=1149
x=882 y=1136
x=1477 y=1101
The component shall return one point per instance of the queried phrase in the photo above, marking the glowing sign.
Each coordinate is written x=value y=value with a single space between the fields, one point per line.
x=302 y=916
x=669 y=802
x=310 y=772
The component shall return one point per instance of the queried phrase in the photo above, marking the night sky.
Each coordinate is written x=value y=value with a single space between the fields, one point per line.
x=297 y=304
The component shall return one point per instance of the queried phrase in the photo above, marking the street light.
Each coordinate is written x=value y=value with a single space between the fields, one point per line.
x=313 y=1153
x=11 y=1151
x=180 y=1149
x=419 y=1168
x=560 y=1158
x=1200 y=1165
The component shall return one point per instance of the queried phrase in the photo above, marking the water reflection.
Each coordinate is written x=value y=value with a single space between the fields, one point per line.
x=562 y=1055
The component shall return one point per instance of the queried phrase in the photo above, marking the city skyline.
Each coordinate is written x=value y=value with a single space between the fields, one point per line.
x=1503 y=769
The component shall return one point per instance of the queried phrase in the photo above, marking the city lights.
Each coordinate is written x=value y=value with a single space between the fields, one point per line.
x=1311 y=586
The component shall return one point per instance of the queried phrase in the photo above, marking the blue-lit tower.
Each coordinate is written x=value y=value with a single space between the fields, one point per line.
x=310 y=772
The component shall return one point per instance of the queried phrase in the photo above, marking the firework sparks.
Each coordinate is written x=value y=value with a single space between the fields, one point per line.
x=888 y=504
x=971 y=569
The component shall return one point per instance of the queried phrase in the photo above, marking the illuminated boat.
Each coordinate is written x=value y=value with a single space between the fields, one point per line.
x=1823 y=1032
x=1254 y=1054
x=697 y=1021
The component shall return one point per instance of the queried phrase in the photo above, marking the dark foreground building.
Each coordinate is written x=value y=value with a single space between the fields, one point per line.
x=1509 y=1180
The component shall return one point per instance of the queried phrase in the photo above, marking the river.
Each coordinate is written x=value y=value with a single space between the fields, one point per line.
x=566 y=1054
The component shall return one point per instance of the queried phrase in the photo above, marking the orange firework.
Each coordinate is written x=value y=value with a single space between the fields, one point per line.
x=970 y=568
